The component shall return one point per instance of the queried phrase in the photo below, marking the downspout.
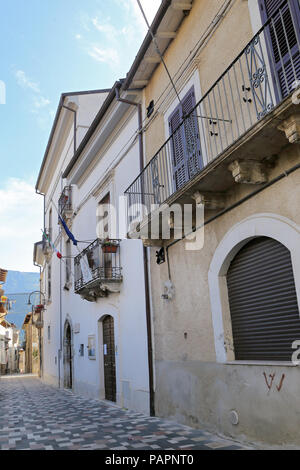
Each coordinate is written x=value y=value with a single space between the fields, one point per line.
x=145 y=258
x=40 y=315
x=60 y=358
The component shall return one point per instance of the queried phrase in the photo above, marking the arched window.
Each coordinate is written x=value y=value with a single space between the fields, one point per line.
x=263 y=301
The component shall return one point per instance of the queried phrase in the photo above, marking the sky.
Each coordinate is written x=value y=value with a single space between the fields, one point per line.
x=48 y=47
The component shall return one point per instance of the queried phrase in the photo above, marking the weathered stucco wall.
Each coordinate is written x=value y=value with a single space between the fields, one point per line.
x=218 y=51
x=190 y=385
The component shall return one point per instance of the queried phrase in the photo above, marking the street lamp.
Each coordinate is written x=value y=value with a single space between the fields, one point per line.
x=35 y=292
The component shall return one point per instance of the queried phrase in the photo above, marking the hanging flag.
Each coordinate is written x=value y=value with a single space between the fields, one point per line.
x=68 y=232
x=58 y=254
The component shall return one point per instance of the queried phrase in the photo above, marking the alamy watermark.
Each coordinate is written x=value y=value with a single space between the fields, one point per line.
x=165 y=222
x=2 y=92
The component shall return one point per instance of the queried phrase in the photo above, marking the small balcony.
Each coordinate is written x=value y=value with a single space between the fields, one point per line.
x=65 y=209
x=233 y=133
x=98 y=270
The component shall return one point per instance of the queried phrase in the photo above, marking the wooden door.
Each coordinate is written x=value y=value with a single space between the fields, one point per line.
x=109 y=358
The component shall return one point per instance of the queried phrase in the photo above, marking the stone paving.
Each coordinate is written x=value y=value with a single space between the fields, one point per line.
x=35 y=416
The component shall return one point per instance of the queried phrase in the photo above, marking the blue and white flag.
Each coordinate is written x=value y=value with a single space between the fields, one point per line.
x=68 y=232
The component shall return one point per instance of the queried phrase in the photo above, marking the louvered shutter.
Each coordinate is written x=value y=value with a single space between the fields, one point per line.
x=284 y=36
x=186 y=148
x=263 y=302
x=191 y=132
x=180 y=171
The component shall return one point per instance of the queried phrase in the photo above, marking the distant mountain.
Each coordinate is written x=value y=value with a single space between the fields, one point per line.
x=18 y=286
x=17 y=281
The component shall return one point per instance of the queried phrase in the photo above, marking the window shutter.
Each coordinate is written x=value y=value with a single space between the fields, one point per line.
x=283 y=39
x=186 y=148
x=263 y=302
x=180 y=172
x=192 y=138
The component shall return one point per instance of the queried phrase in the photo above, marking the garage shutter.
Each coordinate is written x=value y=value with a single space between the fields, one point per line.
x=263 y=302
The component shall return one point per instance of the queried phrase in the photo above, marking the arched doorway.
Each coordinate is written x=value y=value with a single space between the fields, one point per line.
x=263 y=301
x=68 y=375
x=274 y=226
x=109 y=360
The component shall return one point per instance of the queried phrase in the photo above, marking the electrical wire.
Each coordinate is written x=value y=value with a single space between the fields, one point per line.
x=134 y=136
x=158 y=50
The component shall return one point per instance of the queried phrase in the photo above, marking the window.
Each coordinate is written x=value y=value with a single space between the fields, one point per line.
x=49 y=281
x=283 y=41
x=104 y=217
x=105 y=230
x=49 y=333
x=68 y=262
x=50 y=224
x=263 y=302
x=186 y=148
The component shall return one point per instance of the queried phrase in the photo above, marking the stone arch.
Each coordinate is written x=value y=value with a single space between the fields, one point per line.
x=270 y=225
x=68 y=354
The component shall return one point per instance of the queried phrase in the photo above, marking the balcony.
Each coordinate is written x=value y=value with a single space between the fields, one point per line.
x=65 y=209
x=233 y=133
x=98 y=270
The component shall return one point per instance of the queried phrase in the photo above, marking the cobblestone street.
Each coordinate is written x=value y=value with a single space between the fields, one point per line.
x=36 y=416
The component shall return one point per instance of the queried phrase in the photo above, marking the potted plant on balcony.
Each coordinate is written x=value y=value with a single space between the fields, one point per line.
x=38 y=308
x=109 y=246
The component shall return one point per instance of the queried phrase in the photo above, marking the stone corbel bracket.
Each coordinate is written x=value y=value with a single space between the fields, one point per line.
x=291 y=127
x=210 y=200
x=248 y=171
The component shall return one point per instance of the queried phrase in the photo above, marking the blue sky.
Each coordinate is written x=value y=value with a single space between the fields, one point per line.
x=48 y=47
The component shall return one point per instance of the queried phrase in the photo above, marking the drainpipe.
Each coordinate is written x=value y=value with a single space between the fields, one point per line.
x=145 y=257
x=41 y=290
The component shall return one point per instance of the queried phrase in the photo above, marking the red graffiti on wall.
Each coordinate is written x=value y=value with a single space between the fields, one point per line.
x=272 y=376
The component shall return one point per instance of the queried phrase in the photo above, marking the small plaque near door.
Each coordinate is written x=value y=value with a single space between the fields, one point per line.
x=105 y=349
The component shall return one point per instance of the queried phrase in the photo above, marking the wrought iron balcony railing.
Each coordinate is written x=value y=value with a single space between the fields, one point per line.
x=65 y=202
x=260 y=78
x=98 y=268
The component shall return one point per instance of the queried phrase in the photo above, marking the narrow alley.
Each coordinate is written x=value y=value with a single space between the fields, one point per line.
x=35 y=416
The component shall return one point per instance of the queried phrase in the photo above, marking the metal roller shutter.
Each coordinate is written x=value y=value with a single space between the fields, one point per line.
x=263 y=302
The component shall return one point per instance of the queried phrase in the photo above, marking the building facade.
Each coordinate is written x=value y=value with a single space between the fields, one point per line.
x=94 y=324
x=30 y=362
x=9 y=348
x=201 y=325
x=224 y=142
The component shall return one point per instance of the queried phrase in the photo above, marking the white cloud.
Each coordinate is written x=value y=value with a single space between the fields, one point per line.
x=107 y=55
x=113 y=36
x=106 y=28
x=26 y=82
x=40 y=102
x=21 y=212
x=150 y=8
